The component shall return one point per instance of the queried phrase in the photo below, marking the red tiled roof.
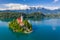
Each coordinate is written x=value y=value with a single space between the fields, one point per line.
x=19 y=19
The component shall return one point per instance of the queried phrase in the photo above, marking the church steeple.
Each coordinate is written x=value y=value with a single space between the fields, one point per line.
x=21 y=18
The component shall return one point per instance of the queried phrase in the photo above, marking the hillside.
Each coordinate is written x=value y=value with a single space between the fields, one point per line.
x=7 y=16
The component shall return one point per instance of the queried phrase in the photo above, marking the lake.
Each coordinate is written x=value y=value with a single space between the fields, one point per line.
x=48 y=29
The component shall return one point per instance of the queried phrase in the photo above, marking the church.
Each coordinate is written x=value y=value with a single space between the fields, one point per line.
x=20 y=21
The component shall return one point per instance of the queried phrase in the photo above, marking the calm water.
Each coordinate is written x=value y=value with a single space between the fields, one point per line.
x=42 y=30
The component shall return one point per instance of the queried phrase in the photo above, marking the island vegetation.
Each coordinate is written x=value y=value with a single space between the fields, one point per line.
x=17 y=26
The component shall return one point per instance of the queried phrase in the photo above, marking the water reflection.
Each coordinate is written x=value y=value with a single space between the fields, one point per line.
x=2 y=24
x=54 y=23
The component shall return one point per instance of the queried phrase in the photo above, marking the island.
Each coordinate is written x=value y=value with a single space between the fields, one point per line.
x=20 y=25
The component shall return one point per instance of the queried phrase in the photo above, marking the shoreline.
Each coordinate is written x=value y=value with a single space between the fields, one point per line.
x=27 y=32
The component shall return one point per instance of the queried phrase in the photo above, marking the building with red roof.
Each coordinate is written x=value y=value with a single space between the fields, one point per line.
x=20 y=21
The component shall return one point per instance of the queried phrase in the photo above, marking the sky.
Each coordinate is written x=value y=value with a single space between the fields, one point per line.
x=25 y=4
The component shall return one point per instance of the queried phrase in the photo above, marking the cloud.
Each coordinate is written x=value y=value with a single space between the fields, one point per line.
x=14 y=6
x=55 y=1
x=47 y=7
x=51 y=8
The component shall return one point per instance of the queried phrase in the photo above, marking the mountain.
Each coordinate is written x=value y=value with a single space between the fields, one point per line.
x=34 y=9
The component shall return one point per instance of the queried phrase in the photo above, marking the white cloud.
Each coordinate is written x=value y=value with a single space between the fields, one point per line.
x=48 y=7
x=55 y=1
x=14 y=6
x=2 y=8
x=51 y=8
